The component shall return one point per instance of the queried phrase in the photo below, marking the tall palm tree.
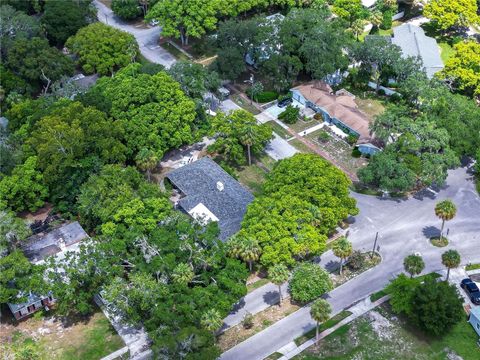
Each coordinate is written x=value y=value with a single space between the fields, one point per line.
x=320 y=312
x=445 y=210
x=146 y=160
x=413 y=264
x=451 y=260
x=211 y=320
x=248 y=138
x=279 y=274
x=357 y=27
x=183 y=274
x=342 y=248
x=233 y=246
x=250 y=251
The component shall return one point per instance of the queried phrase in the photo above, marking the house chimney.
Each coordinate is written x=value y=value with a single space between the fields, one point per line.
x=220 y=186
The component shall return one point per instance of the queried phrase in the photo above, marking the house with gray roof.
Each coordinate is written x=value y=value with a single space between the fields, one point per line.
x=413 y=42
x=53 y=243
x=37 y=248
x=207 y=193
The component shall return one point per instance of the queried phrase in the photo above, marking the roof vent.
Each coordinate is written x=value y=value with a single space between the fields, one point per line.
x=220 y=186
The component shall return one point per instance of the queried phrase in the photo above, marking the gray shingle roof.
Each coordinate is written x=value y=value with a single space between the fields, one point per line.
x=413 y=42
x=38 y=247
x=198 y=182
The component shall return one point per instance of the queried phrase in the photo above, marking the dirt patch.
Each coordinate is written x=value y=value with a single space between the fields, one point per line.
x=261 y=321
x=381 y=325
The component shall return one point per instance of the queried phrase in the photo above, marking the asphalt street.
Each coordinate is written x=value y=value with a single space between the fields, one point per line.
x=147 y=38
x=404 y=227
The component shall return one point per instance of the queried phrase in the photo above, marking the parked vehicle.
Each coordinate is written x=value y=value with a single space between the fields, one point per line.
x=284 y=102
x=472 y=290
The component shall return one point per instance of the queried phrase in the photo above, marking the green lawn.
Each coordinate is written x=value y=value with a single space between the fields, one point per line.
x=174 y=51
x=280 y=131
x=245 y=104
x=446 y=51
x=388 y=337
x=252 y=177
x=326 y=325
x=300 y=146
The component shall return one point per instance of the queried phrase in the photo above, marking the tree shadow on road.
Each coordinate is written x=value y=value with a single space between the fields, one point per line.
x=271 y=297
x=431 y=231
x=239 y=305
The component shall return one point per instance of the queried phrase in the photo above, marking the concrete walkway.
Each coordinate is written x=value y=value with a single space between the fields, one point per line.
x=291 y=350
x=312 y=129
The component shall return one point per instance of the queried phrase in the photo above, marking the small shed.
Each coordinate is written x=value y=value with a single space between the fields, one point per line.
x=33 y=303
x=474 y=319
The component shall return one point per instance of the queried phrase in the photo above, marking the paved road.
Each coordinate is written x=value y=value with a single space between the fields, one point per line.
x=147 y=38
x=403 y=227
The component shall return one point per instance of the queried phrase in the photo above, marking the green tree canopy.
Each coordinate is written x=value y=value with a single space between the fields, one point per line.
x=13 y=231
x=153 y=111
x=70 y=143
x=450 y=259
x=63 y=19
x=350 y=10
x=279 y=274
x=118 y=199
x=463 y=68
x=126 y=9
x=309 y=281
x=35 y=61
x=342 y=248
x=320 y=312
x=304 y=200
x=445 y=211
x=15 y=25
x=194 y=78
x=238 y=135
x=24 y=189
x=103 y=49
x=446 y=14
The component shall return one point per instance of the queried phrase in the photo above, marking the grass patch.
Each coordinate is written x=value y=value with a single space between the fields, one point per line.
x=368 y=337
x=253 y=178
x=439 y=241
x=274 y=356
x=300 y=146
x=301 y=125
x=378 y=295
x=267 y=161
x=326 y=325
x=472 y=267
x=174 y=51
x=257 y=284
x=280 y=131
x=244 y=104
x=371 y=107
x=446 y=51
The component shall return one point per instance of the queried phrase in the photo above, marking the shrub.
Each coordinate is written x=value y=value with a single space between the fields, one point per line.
x=285 y=96
x=356 y=261
x=395 y=98
x=247 y=321
x=381 y=92
x=318 y=116
x=290 y=115
x=264 y=96
x=352 y=139
x=309 y=281
x=356 y=153
x=387 y=20
x=324 y=136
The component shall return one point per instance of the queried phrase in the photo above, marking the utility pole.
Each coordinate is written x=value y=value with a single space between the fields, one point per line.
x=374 y=245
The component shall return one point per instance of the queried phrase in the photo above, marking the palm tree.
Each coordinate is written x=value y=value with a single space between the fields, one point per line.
x=451 y=260
x=247 y=138
x=357 y=27
x=211 y=320
x=146 y=160
x=376 y=18
x=249 y=251
x=320 y=312
x=413 y=264
x=278 y=274
x=342 y=248
x=183 y=274
x=445 y=210
x=233 y=246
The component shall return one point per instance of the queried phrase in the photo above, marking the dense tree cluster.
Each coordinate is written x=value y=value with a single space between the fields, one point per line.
x=304 y=200
x=426 y=134
x=433 y=306
x=306 y=39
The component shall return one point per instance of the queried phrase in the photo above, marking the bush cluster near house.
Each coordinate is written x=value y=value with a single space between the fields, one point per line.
x=304 y=200
x=290 y=114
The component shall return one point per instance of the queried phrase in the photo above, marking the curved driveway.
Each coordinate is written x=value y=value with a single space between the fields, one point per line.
x=404 y=227
x=147 y=38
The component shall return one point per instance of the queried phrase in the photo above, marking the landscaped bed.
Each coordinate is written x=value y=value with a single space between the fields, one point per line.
x=50 y=337
x=382 y=335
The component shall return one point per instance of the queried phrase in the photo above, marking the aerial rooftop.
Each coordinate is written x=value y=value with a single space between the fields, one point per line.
x=210 y=194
